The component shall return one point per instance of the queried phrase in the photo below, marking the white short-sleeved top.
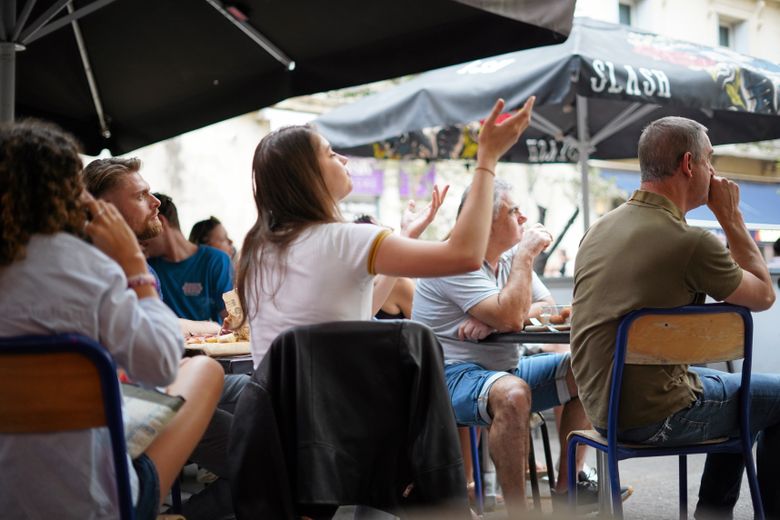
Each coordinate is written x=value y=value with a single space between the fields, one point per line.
x=327 y=276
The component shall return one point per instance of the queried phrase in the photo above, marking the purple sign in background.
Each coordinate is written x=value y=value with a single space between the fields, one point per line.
x=368 y=182
x=423 y=187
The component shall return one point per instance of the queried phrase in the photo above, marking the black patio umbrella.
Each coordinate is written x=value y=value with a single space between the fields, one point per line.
x=595 y=93
x=121 y=74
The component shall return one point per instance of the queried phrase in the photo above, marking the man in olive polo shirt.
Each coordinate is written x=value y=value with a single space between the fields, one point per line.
x=643 y=254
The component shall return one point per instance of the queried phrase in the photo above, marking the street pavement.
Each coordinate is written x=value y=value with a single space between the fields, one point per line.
x=655 y=483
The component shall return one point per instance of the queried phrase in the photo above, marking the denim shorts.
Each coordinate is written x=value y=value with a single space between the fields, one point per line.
x=715 y=412
x=148 y=489
x=469 y=385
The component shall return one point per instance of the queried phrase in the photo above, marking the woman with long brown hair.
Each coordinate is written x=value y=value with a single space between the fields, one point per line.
x=302 y=264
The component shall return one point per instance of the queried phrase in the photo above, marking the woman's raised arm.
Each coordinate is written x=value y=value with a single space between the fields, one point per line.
x=465 y=249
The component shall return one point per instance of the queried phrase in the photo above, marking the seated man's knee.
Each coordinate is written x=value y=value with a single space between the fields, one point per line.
x=510 y=395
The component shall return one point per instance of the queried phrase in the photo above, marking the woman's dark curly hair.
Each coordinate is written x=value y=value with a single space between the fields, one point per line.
x=40 y=185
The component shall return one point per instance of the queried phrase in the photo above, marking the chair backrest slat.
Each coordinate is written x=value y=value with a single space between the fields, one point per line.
x=59 y=383
x=55 y=392
x=675 y=339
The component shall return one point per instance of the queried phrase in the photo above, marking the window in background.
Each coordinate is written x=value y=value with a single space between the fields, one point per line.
x=624 y=13
x=733 y=33
x=724 y=35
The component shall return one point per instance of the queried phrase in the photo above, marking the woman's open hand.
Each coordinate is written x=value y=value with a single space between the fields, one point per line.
x=414 y=221
x=495 y=139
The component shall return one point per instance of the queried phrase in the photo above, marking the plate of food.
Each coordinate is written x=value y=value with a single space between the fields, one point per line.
x=218 y=345
x=536 y=328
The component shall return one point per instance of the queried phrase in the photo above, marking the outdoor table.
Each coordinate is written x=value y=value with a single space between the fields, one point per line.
x=528 y=337
x=236 y=364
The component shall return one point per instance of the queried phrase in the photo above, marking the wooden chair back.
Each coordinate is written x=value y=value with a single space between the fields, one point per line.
x=675 y=339
x=60 y=383
x=49 y=393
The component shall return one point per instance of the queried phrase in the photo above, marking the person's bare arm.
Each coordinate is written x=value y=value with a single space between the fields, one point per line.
x=413 y=223
x=465 y=249
x=755 y=291
x=473 y=330
x=507 y=310
x=383 y=286
x=536 y=308
x=199 y=328
x=402 y=296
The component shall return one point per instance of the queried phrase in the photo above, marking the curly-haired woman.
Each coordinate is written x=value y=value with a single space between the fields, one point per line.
x=53 y=281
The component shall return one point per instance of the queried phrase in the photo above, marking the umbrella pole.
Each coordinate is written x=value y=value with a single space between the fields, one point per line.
x=584 y=151
x=7 y=81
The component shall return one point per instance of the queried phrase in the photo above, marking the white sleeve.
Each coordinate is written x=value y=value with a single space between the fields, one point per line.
x=540 y=291
x=143 y=335
x=356 y=246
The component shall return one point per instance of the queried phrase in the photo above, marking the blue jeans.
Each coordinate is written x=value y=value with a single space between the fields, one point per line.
x=716 y=414
x=469 y=385
x=212 y=453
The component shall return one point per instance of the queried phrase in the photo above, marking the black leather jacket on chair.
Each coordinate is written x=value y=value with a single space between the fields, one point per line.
x=347 y=413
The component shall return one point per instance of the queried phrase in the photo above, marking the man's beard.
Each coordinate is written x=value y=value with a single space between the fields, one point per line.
x=151 y=230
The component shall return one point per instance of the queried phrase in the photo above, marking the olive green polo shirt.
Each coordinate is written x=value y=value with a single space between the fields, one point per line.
x=642 y=254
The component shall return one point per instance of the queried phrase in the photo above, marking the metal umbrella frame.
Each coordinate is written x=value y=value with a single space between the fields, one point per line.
x=595 y=93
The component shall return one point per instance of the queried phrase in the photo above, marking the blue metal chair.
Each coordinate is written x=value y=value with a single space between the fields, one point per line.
x=60 y=383
x=683 y=335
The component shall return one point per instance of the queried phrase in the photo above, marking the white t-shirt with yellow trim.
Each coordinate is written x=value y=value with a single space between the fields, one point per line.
x=328 y=277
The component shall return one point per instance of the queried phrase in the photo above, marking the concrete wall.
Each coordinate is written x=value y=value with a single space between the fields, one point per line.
x=755 y=23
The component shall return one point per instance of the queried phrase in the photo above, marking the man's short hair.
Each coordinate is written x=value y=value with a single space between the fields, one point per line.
x=664 y=142
x=102 y=175
x=168 y=210
x=499 y=188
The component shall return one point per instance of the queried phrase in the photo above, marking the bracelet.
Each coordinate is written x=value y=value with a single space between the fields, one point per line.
x=138 y=280
x=491 y=172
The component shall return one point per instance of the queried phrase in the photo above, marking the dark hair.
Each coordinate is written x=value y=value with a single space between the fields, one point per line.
x=202 y=229
x=776 y=247
x=290 y=195
x=102 y=175
x=40 y=185
x=168 y=209
x=364 y=219
x=664 y=142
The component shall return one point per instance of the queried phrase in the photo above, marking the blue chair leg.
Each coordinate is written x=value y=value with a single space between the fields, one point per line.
x=683 y=487
x=474 y=443
x=614 y=482
x=571 y=453
x=755 y=493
